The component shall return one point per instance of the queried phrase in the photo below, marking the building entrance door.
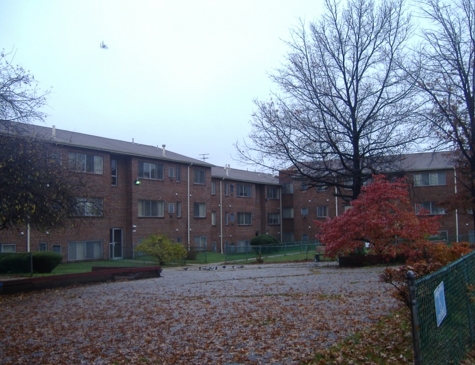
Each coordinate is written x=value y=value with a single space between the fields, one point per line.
x=115 y=246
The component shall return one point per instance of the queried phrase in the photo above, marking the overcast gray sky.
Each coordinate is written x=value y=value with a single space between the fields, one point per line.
x=178 y=72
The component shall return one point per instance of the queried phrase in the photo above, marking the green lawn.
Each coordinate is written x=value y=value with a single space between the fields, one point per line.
x=202 y=258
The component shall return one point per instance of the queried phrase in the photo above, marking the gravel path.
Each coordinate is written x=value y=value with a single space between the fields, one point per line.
x=268 y=314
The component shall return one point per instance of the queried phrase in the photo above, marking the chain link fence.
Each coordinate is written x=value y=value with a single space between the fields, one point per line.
x=298 y=250
x=443 y=310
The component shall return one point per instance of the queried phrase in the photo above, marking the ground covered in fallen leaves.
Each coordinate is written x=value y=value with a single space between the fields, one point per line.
x=269 y=314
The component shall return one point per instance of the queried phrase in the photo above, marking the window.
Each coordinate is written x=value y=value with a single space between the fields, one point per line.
x=114 y=172
x=42 y=246
x=288 y=213
x=288 y=188
x=305 y=237
x=288 y=237
x=213 y=187
x=441 y=236
x=149 y=170
x=171 y=208
x=243 y=246
x=429 y=207
x=84 y=250
x=213 y=218
x=178 y=209
x=171 y=172
x=348 y=184
x=273 y=192
x=229 y=218
x=199 y=176
x=304 y=211
x=83 y=162
x=273 y=219
x=200 y=242
x=244 y=190
x=7 y=247
x=346 y=208
x=321 y=189
x=178 y=174
x=430 y=179
x=89 y=207
x=303 y=186
x=244 y=219
x=56 y=248
x=322 y=211
x=151 y=208
x=199 y=210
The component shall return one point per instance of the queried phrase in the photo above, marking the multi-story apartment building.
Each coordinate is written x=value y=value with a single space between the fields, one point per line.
x=432 y=180
x=143 y=190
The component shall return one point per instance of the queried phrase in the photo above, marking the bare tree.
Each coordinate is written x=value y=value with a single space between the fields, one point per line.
x=446 y=75
x=37 y=187
x=346 y=107
x=20 y=98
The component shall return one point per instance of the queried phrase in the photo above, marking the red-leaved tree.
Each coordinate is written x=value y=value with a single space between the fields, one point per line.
x=383 y=217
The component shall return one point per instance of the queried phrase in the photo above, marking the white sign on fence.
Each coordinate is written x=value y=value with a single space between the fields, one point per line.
x=439 y=299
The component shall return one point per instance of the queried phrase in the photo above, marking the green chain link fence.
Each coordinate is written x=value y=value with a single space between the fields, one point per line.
x=444 y=333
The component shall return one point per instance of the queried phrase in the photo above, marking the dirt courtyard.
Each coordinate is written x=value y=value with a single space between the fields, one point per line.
x=268 y=314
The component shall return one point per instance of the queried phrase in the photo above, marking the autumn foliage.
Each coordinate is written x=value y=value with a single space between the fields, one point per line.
x=383 y=217
x=162 y=248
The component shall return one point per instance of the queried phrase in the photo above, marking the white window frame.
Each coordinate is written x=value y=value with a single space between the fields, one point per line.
x=322 y=211
x=114 y=175
x=244 y=190
x=171 y=208
x=86 y=162
x=199 y=210
x=213 y=218
x=273 y=219
x=273 y=192
x=287 y=213
x=244 y=219
x=199 y=176
x=84 y=250
x=150 y=170
x=435 y=178
x=431 y=207
x=171 y=172
x=89 y=207
x=288 y=188
x=7 y=247
x=151 y=208
x=178 y=209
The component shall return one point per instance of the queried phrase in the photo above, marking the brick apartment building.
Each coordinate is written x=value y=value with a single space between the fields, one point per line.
x=145 y=190
x=432 y=182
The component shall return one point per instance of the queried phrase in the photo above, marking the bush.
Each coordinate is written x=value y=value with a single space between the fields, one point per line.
x=263 y=240
x=45 y=262
x=162 y=248
x=422 y=259
x=19 y=262
x=15 y=263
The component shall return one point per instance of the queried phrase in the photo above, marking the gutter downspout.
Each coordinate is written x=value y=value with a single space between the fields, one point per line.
x=188 y=203
x=281 y=214
x=221 y=213
x=456 y=210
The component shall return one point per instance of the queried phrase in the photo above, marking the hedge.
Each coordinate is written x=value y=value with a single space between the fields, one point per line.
x=17 y=263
